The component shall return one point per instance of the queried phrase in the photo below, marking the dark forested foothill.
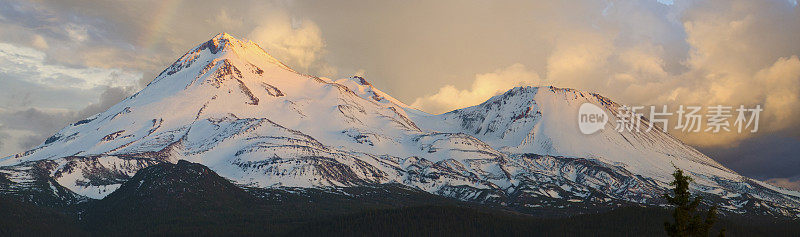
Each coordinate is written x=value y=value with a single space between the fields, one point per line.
x=190 y=199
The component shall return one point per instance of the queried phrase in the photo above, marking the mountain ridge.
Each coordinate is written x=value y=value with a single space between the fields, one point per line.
x=229 y=105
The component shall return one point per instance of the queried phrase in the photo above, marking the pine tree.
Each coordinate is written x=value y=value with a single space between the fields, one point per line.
x=687 y=220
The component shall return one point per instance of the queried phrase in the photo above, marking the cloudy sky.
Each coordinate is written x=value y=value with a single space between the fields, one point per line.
x=65 y=60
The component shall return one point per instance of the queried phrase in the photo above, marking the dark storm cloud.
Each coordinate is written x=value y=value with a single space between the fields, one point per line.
x=773 y=158
x=765 y=157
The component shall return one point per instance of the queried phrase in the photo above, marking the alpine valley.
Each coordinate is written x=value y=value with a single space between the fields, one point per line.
x=270 y=132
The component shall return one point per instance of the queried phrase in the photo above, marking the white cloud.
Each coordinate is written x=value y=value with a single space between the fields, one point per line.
x=737 y=53
x=76 y=32
x=484 y=86
x=297 y=43
x=227 y=21
x=39 y=42
x=31 y=64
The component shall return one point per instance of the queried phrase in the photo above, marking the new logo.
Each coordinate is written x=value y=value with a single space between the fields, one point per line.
x=591 y=118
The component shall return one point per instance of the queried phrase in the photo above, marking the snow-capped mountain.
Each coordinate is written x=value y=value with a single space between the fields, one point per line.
x=229 y=105
x=542 y=121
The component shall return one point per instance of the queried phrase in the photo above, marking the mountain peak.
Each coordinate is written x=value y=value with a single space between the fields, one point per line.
x=361 y=80
x=224 y=35
x=223 y=45
x=223 y=41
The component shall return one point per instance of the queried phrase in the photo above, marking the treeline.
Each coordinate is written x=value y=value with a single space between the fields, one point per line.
x=466 y=221
x=188 y=199
x=23 y=219
x=331 y=219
